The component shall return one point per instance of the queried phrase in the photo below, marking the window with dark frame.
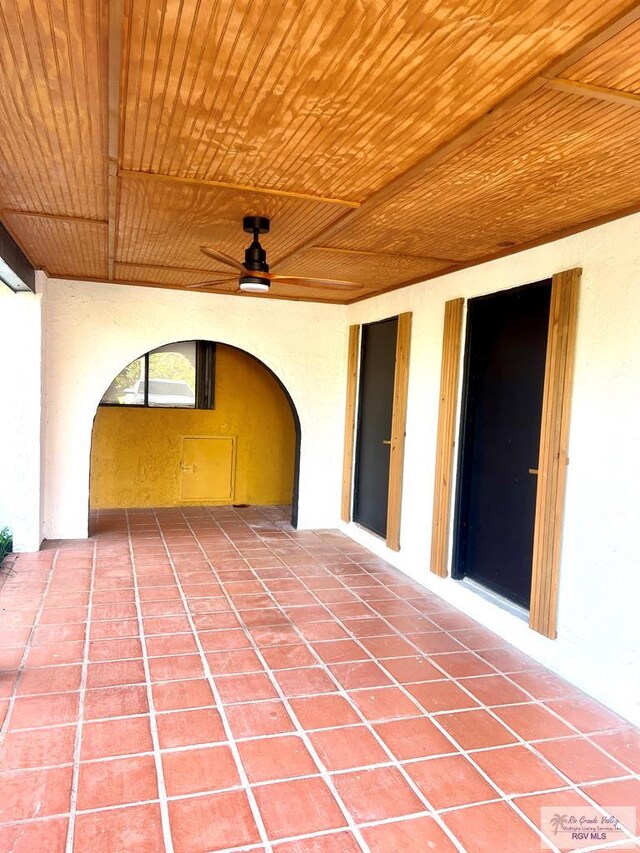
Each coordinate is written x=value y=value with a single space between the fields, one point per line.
x=175 y=376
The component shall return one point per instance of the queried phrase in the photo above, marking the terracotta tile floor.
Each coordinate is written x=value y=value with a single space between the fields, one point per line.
x=209 y=679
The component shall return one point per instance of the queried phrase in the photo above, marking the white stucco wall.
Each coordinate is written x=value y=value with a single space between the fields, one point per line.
x=20 y=363
x=598 y=644
x=94 y=330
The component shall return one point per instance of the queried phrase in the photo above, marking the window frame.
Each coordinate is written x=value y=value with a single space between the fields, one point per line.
x=205 y=355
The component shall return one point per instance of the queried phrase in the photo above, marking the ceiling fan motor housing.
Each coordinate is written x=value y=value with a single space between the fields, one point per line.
x=255 y=257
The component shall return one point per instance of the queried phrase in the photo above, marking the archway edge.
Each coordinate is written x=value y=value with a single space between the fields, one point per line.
x=272 y=373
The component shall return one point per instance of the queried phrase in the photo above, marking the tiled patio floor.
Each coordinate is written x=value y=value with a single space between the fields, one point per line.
x=206 y=680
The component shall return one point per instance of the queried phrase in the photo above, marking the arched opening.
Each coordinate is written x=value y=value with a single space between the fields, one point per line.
x=195 y=423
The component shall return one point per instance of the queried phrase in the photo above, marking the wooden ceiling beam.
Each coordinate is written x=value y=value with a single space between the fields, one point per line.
x=369 y=252
x=476 y=129
x=60 y=217
x=599 y=93
x=197 y=182
x=113 y=151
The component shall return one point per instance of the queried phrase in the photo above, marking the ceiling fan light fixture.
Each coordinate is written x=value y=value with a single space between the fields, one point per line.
x=254 y=284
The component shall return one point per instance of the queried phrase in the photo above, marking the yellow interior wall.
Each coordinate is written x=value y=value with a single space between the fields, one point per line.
x=136 y=452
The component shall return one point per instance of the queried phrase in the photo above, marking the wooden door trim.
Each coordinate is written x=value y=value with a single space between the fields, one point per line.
x=398 y=430
x=446 y=439
x=553 y=459
x=350 y=422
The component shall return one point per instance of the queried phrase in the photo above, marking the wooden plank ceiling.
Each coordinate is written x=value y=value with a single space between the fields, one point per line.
x=388 y=140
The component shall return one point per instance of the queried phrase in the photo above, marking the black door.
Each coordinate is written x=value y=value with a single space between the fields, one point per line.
x=377 y=369
x=500 y=440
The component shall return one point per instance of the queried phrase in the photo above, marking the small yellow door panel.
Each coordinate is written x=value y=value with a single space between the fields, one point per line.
x=208 y=468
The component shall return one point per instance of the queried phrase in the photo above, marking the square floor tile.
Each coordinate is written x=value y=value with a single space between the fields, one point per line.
x=176 y=695
x=53 y=654
x=170 y=644
x=273 y=758
x=115 y=737
x=493 y=690
x=343 y=748
x=304 y=682
x=410 y=669
x=533 y=804
x=415 y=834
x=37 y=747
x=259 y=718
x=476 y=828
x=190 y=727
x=340 y=651
x=298 y=807
x=175 y=667
x=245 y=688
x=115 y=673
x=516 y=770
x=35 y=793
x=324 y=711
x=118 y=649
x=50 y=679
x=212 y=822
x=461 y=664
x=586 y=714
x=623 y=745
x=137 y=828
x=190 y=771
x=225 y=640
x=234 y=662
x=45 y=710
x=475 y=729
x=288 y=657
x=117 y=781
x=441 y=696
x=377 y=794
x=384 y=703
x=416 y=737
x=450 y=781
x=49 y=835
x=353 y=676
x=115 y=702
x=533 y=722
x=611 y=795
x=580 y=760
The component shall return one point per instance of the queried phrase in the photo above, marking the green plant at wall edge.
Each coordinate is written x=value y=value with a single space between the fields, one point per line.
x=6 y=543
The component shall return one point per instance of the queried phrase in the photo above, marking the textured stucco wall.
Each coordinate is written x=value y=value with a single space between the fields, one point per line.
x=20 y=358
x=598 y=644
x=136 y=452
x=94 y=330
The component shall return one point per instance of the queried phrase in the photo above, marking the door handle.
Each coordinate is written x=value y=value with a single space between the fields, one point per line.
x=533 y=471
x=188 y=469
x=386 y=442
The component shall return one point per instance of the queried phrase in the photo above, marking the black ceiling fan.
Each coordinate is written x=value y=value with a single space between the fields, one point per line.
x=254 y=271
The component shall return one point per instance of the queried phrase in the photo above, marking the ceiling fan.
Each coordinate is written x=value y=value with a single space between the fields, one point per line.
x=254 y=271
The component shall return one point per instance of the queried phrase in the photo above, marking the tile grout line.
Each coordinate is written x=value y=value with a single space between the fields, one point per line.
x=80 y=721
x=381 y=743
x=27 y=648
x=323 y=771
x=162 y=791
x=219 y=705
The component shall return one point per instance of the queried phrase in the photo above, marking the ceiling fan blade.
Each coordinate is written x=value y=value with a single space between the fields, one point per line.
x=224 y=259
x=211 y=283
x=325 y=283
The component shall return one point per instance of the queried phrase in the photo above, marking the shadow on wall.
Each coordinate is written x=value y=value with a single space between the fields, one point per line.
x=138 y=454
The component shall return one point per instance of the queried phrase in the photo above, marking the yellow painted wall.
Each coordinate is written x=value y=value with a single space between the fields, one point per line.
x=136 y=452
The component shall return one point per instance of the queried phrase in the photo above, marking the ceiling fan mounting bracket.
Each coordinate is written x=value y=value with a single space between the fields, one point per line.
x=251 y=224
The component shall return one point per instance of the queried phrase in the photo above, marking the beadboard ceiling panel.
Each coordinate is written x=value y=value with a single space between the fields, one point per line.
x=533 y=175
x=389 y=141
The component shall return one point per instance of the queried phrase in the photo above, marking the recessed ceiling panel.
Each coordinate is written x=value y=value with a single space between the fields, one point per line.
x=166 y=222
x=614 y=65
x=327 y=98
x=63 y=248
x=53 y=106
x=555 y=161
